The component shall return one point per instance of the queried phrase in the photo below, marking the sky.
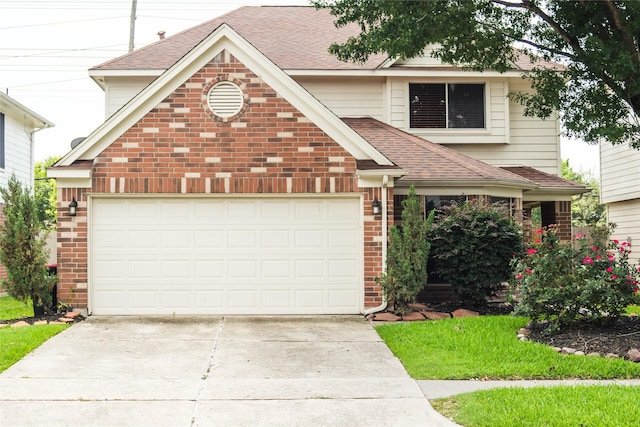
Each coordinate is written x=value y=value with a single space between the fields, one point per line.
x=47 y=47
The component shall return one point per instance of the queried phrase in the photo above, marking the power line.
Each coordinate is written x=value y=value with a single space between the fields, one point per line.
x=60 y=22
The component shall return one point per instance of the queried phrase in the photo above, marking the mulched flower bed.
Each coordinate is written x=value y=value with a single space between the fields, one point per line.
x=51 y=317
x=618 y=336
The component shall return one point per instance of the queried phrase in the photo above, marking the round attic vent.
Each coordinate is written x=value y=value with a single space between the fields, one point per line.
x=225 y=99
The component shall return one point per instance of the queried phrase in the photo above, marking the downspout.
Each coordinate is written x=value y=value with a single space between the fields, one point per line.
x=385 y=182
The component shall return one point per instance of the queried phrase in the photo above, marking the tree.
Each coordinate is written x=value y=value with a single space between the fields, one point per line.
x=407 y=256
x=22 y=247
x=44 y=191
x=472 y=244
x=595 y=83
x=586 y=209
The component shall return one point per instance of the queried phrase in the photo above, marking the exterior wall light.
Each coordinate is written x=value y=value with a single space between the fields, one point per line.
x=375 y=205
x=73 y=207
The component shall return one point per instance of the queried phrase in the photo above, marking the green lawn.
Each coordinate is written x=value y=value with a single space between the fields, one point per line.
x=487 y=347
x=13 y=309
x=570 y=406
x=15 y=343
x=633 y=309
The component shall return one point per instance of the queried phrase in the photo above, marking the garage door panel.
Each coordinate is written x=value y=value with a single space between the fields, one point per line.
x=245 y=256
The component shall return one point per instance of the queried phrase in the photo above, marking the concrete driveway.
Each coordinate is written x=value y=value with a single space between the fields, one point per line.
x=214 y=371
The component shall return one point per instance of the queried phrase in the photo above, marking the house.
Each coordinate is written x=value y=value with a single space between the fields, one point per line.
x=620 y=191
x=242 y=169
x=18 y=126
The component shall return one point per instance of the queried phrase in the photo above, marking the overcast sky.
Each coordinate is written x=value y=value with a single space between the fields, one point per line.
x=47 y=46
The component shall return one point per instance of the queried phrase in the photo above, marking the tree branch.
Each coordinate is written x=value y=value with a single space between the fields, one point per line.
x=616 y=22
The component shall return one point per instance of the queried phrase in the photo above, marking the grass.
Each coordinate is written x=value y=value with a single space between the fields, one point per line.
x=602 y=405
x=487 y=347
x=633 y=309
x=15 y=343
x=11 y=308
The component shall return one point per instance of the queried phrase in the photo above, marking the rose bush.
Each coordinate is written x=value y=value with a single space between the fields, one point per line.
x=590 y=279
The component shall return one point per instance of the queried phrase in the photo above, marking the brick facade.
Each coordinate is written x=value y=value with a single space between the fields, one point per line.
x=179 y=147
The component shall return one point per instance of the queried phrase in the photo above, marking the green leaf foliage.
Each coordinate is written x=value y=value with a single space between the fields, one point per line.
x=586 y=209
x=472 y=245
x=44 y=191
x=22 y=247
x=590 y=279
x=407 y=255
x=595 y=82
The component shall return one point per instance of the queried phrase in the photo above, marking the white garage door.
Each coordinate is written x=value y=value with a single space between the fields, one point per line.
x=226 y=256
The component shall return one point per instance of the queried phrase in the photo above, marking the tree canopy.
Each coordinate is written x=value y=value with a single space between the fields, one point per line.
x=596 y=88
x=45 y=193
x=586 y=209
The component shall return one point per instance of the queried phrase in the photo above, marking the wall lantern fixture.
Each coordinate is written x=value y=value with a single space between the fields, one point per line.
x=73 y=207
x=375 y=205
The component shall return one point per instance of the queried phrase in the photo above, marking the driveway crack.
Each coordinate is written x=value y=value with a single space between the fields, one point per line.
x=210 y=367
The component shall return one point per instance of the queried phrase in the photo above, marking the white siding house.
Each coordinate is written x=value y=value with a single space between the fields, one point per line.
x=18 y=124
x=620 y=191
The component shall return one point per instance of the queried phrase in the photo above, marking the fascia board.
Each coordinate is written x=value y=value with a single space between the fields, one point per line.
x=125 y=73
x=33 y=118
x=55 y=172
x=395 y=173
x=404 y=72
x=223 y=38
x=465 y=183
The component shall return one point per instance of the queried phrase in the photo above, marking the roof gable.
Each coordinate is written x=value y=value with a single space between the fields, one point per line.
x=292 y=37
x=224 y=38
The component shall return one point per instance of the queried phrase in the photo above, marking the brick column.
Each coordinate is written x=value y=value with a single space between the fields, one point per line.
x=563 y=219
x=72 y=248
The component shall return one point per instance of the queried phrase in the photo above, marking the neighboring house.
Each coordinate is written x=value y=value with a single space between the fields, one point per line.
x=18 y=124
x=243 y=169
x=620 y=191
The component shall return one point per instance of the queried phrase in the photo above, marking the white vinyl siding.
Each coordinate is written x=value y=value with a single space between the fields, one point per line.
x=239 y=255
x=626 y=216
x=119 y=90
x=620 y=173
x=348 y=97
x=533 y=142
x=17 y=151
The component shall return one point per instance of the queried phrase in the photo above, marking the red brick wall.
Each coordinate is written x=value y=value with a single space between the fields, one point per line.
x=72 y=248
x=179 y=147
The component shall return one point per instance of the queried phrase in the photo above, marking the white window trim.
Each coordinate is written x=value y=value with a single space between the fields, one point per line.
x=451 y=131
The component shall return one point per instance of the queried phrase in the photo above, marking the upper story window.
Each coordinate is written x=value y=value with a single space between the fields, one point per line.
x=447 y=105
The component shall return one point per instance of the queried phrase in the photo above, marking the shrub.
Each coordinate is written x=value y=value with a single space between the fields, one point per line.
x=472 y=244
x=22 y=247
x=407 y=255
x=590 y=279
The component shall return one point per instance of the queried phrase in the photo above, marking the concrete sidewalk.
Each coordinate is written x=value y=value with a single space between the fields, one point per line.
x=214 y=371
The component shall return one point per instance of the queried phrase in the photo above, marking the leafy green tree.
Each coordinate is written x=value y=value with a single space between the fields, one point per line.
x=44 y=190
x=596 y=88
x=586 y=209
x=22 y=247
x=407 y=256
x=472 y=244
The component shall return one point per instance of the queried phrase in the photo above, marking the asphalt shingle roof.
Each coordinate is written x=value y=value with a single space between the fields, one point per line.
x=545 y=180
x=293 y=37
x=427 y=161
